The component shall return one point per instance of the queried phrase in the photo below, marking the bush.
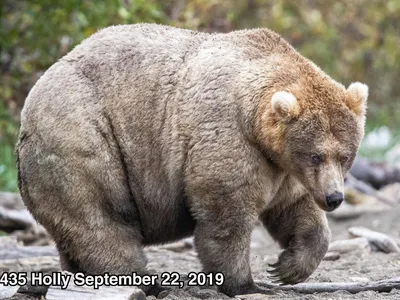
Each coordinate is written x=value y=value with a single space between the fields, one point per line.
x=351 y=40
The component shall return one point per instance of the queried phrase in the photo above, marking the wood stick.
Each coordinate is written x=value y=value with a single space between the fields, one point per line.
x=329 y=287
x=15 y=219
x=28 y=251
x=369 y=190
x=7 y=242
x=347 y=211
x=86 y=293
x=343 y=246
x=382 y=241
x=32 y=236
x=304 y=288
x=331 y=256
x=377 y=174
x=31 y=264
x=11 y=200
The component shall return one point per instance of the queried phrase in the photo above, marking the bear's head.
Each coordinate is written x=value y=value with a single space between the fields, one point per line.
x=313 y=132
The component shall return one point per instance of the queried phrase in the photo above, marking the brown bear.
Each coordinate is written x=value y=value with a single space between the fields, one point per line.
x=145 y=134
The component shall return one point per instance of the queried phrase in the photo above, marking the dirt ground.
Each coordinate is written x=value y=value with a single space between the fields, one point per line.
x=355 y=266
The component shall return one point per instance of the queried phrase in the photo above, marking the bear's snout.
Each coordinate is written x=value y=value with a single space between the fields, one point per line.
x=334 y=200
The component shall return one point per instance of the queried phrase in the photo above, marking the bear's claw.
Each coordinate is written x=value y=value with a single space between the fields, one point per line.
x=286 y=271
x=274 y=265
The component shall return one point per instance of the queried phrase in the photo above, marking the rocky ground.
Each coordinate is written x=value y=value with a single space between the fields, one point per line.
x=361 y=264
x=355 y=266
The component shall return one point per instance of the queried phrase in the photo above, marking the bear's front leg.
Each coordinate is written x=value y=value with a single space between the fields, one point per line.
x=223 y=245
x=225 y=196
x=302 y=230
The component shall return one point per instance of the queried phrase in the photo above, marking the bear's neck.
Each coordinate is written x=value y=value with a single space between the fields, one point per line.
x=259 y=125
x=268 y=132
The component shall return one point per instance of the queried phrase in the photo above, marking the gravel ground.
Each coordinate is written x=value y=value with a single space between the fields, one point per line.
x=355 y=266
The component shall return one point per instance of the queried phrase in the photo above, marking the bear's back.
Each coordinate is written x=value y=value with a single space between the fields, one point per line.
x=158 y=50
x=151 y=57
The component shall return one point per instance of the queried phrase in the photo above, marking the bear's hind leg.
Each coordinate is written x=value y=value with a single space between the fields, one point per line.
x=86 y=206
x=114 y=248
x=302 y=230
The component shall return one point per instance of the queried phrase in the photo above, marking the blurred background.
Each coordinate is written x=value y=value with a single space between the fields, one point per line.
x=357 y=40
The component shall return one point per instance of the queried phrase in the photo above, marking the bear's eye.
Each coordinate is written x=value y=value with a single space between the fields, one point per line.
x=316 y=159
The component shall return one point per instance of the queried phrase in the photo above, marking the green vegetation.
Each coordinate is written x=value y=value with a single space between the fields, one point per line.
x=351 y=40
x=8 y=134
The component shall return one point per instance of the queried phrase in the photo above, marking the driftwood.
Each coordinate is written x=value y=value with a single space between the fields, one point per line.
x=131 y=293
x=28 y=251
x=180 y=246
x=331 y=256
x=365 y=188
x=392 y=190
x=329 y=287
x=8 y=242
x=375 y=174
x=31 y=264
x=344 y=246
x=347 y=211
x=11 y=200
x=33 y=236
x=103 y=293
x=381 y=241
x=7 y=292
x=16 y=220
x=11 y=219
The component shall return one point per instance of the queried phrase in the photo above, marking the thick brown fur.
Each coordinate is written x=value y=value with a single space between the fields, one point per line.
x=145 y=134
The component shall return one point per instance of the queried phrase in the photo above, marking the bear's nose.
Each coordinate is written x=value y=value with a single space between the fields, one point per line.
x=334 y=200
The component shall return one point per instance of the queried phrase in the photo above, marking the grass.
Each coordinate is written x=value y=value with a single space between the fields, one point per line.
x=8 y=171
x=8 y=138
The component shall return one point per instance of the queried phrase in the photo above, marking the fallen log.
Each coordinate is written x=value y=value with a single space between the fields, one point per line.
x=385 y=286
x=377 y=174
x=365 y=188
x=331 y=256
x=102 y=293
x=33 y=236
x=7 y=242
x=344 y=246
x=28 y=251
x=130 y=293
x=12 y=219
x=380 y=240
x=392 y=190
x=11 y=200
x=31 y=264
x=347 y=211
x=7 y=292
x=181 y=246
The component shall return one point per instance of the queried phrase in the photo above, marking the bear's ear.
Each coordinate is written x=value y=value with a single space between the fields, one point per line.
x=357 y=101
x=285 y=105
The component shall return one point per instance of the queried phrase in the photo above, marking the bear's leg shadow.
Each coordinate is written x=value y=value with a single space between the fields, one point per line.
x=302 y=231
